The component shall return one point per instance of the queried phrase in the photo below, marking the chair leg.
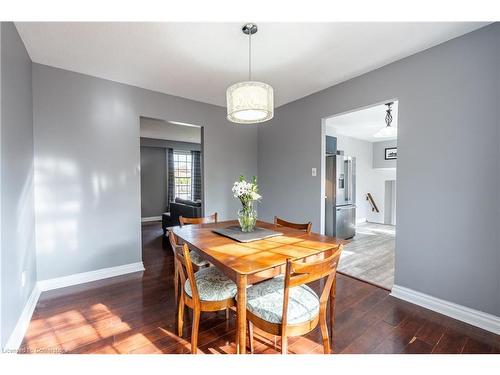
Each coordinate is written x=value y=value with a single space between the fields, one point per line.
x=250 y=335
x=176 y=287
x=324 y=333
x=284 y=345
x=227 y=313
x=194 y=331
x=332 y=311
x=180 y=316
x=332 y=318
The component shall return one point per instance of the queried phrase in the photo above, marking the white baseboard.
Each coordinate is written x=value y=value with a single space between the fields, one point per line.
x=476 y=318
x=152 y=218
x=17 y=335
x=361 y=220
x=86 y=277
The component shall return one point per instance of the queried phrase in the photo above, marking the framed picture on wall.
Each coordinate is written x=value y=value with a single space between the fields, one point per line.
x=391 y=153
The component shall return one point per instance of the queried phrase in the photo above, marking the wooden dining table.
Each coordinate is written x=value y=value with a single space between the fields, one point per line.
x=251 y=262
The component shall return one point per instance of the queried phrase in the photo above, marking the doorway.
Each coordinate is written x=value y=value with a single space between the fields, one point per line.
x=367 y=138
x=172 y=177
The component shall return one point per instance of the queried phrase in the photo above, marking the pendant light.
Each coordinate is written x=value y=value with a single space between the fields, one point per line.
x=389 y=131
x=250 y=102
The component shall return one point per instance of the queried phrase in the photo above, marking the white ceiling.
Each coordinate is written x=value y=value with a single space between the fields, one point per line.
x=200 y=60
x=362 y=124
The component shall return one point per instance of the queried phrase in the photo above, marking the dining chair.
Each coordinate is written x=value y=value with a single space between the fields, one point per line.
x=205 y=290
x=285 y=306
x=280 y=222
x=197 y=260
x=198 y=220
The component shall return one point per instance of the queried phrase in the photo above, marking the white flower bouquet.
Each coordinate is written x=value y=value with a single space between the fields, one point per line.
x=247 y=193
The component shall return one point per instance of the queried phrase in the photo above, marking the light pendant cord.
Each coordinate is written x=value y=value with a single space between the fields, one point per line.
x=250 y=56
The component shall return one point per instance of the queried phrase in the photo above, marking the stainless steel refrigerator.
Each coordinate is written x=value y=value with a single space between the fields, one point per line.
x=340 y=189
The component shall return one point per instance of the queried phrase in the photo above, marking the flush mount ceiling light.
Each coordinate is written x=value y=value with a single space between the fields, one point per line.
x=250 y=102
x=389 y=131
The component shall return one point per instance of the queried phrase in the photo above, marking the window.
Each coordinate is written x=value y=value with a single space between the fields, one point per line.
x=182 y=174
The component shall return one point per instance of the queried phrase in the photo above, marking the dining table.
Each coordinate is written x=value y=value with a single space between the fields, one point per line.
x=247 y=263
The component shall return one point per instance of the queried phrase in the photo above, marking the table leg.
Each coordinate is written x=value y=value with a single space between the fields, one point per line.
x=241 y=310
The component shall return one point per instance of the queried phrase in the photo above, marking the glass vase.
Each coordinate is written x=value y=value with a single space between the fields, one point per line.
x=247 y=217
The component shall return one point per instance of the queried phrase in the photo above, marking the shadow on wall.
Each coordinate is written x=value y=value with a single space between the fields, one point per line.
x=57 y=215
x=62 y=190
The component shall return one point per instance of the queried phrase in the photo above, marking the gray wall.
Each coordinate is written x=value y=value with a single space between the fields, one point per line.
x=87 y=163
x=153 y=181
x=17 y=208
x=379 y=154
x=448 y=103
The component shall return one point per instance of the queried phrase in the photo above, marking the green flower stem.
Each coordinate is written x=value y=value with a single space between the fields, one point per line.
x=247 y=218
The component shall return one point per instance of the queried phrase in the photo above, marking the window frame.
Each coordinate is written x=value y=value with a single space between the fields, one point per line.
x=183 y=170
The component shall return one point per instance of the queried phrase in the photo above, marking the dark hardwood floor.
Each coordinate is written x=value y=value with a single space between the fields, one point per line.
x=135 y=314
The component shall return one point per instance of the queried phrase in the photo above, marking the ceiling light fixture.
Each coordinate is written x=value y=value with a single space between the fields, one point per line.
x=389 y=131
x=250 y=102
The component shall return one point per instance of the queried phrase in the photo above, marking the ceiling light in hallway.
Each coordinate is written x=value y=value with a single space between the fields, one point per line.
x=389 y=131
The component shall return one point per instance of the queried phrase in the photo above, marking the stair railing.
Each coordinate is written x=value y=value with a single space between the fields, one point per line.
x=370 y=199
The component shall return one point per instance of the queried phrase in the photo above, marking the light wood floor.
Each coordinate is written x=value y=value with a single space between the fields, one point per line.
x=369 y=256
x=135 y=314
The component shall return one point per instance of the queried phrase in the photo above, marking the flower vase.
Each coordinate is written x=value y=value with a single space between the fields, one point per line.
x=247 y=217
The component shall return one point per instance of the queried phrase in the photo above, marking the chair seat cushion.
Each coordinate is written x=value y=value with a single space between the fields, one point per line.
x=212 y=285
x=265 y=300
x=197 y=259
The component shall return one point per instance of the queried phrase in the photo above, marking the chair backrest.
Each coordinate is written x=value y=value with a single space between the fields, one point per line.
x=198 y=220
x=299 y=273
x=307 y=226
x=184 y=265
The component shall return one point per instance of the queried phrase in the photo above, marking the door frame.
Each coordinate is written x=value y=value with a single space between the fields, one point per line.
x=323 y=152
